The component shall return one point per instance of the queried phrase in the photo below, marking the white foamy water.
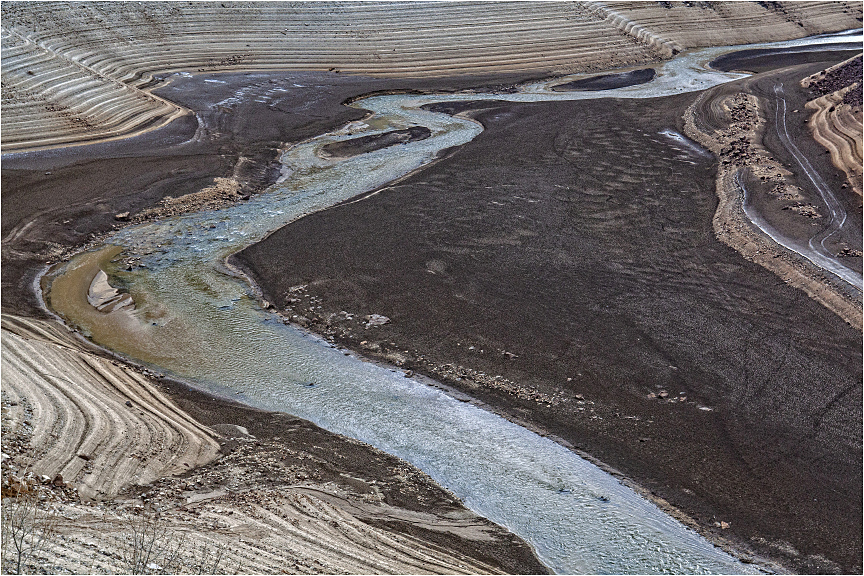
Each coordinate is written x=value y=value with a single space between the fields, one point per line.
x=578 y=518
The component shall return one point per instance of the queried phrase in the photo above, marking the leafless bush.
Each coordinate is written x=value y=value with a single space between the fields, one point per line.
x=151 y=547
x=27 y=527
x=205 y=559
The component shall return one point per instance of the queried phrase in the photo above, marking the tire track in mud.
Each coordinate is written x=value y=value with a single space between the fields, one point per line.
x=838 y=213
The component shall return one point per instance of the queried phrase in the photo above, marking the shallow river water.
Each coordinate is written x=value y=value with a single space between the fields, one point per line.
x=197 y=323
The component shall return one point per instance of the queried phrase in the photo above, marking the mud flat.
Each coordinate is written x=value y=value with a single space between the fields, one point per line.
x=87 y=73
x=698 y=374
x=609 y=81
x=758 y=190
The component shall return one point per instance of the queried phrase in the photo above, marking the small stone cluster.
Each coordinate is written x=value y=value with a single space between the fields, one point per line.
x=832 y=80
x=357 y=331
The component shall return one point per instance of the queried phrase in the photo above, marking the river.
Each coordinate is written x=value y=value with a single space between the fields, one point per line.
x=197 y=322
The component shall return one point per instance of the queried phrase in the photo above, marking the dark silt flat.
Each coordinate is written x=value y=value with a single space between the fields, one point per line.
x=569 y=249
x=608 y=81
x=765 y=59
x=364 y=144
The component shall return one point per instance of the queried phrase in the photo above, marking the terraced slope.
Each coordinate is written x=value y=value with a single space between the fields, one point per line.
x=700 y=24
x=81 y=72
x=837 y=118
x=262 y=505
x=101 y=426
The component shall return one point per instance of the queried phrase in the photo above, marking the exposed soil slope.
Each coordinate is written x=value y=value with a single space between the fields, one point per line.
x=837 y=116
x=734 y=124
x=99 y=425
x=85 y=72
x=54 y=201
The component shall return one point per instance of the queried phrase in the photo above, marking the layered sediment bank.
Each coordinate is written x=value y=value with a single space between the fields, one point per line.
x=621 y=377
x=732 y=123
x=87 y=73
x=836 y=122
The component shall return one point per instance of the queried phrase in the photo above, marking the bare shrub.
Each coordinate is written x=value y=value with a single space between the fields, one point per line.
x=205 y=559
x=27 y=527
x=149 y=547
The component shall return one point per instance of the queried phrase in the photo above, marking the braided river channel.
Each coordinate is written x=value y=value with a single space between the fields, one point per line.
x=195 y=320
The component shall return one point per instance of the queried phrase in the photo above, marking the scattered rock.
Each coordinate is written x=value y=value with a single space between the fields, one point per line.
x=122 y=216
x=233 y=431
x=373 y=346
x=376 y=320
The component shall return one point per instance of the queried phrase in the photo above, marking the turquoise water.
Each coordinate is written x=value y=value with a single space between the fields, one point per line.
x=578 y=518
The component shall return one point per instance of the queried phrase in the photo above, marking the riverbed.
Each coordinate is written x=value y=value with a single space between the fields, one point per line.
x=197 y=321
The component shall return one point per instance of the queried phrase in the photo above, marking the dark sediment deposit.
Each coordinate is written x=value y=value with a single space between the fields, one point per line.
x=609 y=81
x=56 y=200
x=563 y=269
x=364 y=144
x=765 y=59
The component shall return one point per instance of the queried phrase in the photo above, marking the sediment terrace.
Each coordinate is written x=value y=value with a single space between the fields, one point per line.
x=99 y=425
x=83 y=73
x=837 y=116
